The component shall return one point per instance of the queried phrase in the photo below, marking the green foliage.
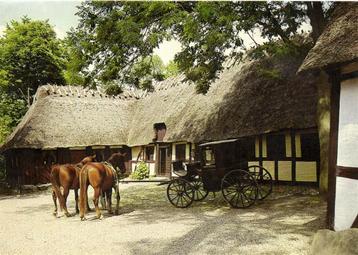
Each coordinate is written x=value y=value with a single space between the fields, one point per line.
x=112 y=89
x=116 y=37
x=11 y=112
x=30 y=56
x=145 y=71
x=141 y=172
x=171 y=69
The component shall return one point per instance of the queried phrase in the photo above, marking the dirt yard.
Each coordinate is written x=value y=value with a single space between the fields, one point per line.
x=148 y=224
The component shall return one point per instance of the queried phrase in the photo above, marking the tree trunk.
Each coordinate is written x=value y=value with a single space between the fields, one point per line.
x=317 y=19
x=323 y=112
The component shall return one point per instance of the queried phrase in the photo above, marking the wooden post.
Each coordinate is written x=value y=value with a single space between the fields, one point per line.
x=293 y=155
x=333 y=143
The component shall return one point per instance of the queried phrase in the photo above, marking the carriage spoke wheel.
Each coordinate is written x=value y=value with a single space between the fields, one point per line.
x=199 y=192
x=263 y=179
x=180 y=193
x=239 y=188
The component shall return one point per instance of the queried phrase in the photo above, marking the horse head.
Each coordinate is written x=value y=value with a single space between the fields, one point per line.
x=117 y=160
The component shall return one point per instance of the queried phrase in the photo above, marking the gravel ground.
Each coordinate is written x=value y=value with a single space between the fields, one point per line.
x=282 y=224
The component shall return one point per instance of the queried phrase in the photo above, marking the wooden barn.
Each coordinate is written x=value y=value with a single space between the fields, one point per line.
x=274 y=118
x=336 y=53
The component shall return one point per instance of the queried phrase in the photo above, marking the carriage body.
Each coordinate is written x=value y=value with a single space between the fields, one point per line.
x=223 y=166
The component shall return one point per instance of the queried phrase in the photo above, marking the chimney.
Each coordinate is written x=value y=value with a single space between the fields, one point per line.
x=159 y=131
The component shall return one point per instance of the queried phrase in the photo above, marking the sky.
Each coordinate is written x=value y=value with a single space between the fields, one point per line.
x=61 y=15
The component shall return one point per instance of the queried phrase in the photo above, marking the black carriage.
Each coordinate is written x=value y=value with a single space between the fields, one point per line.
x=223 y=167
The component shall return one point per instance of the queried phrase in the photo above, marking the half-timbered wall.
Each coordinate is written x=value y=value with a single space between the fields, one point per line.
x=290 y=156
x=346 y=185
x=32 y=166
x=144 y=153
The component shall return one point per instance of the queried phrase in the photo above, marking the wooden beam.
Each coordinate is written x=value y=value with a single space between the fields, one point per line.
x=333 y=144
x=347 y=172
x=355 y=223
x=293 y=154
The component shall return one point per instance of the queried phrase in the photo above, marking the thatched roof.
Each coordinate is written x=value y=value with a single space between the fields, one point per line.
x=339 y=41
x=244 y=101
x=71 y=116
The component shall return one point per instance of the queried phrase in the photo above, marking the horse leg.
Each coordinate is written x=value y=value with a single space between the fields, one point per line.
x=54 y=197
x=118 y=198
x=76 y=199
x=109 y=200
x=66 y=191
x=103 y=200
x=97 y=192
x=88 y=207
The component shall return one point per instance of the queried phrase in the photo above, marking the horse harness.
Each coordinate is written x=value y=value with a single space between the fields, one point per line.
x=115 y=173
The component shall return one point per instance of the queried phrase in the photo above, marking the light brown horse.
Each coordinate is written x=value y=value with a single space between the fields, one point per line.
x=67 y=177
x=102 y=177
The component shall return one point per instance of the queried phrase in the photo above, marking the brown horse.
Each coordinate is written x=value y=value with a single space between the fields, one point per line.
x=66 y=176
x=102 y=177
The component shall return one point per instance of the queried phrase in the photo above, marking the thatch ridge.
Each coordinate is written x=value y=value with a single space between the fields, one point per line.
x=338 y=42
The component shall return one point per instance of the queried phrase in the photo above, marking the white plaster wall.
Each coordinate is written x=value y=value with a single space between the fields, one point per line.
x=346 y=208
x=151 y=169
x=348 y=125
x=135 y=152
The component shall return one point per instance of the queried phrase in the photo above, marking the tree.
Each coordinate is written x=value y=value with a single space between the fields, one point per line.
x=11 y=112
x=30 y=56
x=171 y=69
x=114 y=36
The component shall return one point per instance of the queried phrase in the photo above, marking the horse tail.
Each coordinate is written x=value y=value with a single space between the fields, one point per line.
x=54 y=177
x=83 y=191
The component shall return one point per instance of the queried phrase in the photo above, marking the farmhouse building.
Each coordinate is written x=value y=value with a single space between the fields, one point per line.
x=273 y=115
x=336 y=52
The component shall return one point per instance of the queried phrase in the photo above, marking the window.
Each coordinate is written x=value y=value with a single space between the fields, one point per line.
x=180 y=152
x=310 y=146
x=276 y=146
x=209 y=157
x=149 y=153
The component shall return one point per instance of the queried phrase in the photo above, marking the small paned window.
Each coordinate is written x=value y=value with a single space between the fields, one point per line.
x=276 y=146
x=310 y=147
x=149 y=153
x=180 y=152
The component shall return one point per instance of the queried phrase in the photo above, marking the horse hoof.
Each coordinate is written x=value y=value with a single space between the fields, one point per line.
x=68 y=215
x=54 y=214
x=83 y=218
x=100 y=217
x=116 y=212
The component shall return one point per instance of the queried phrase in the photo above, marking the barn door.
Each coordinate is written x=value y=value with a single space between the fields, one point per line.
x=346 y=197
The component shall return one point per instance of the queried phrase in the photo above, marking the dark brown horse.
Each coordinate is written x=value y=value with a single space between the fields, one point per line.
x=67 y=177
x=102 y=177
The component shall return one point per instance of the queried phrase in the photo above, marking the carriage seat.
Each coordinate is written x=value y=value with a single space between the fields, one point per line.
x=179 y=168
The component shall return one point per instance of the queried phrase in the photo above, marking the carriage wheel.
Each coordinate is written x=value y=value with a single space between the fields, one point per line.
x=199 y=192
x=263 y=179
x=239 y=188
x=180 y=193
